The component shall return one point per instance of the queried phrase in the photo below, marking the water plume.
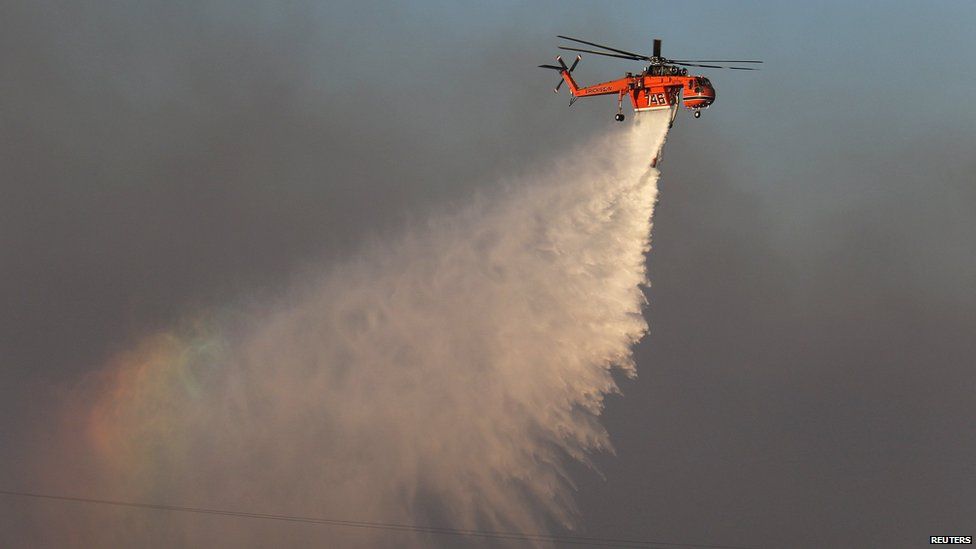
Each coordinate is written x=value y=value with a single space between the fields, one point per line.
x=446 y=376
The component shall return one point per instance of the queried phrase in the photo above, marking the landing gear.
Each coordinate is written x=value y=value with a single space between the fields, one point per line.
x=697 y=114
x=620 y=108
x=619 y=117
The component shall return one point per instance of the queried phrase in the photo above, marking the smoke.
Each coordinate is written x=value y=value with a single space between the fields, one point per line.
x=449 y=376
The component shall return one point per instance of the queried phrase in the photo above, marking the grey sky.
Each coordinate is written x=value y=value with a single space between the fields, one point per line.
x=808 y=378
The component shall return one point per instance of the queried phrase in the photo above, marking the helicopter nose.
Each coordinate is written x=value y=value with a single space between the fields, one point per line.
x=700 y=97
x=708 y=95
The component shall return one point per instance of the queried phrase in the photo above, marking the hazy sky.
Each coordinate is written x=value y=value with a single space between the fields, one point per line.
x=808 y=379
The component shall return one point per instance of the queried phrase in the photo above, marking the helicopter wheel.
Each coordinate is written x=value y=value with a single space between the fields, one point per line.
x=619 y=117
x=697 y=114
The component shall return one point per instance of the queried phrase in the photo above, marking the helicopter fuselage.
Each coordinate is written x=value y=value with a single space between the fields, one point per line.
x=649 y=91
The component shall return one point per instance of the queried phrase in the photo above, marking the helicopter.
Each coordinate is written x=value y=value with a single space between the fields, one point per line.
x=661 y=85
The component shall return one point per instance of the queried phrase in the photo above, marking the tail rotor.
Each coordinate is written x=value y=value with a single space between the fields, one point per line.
x=562 y=67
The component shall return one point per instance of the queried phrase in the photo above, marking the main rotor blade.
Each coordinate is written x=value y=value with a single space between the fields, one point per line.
x=697 y=65
x=713 y=61
x=713 y=66
x=637 y=55
x=631 y=57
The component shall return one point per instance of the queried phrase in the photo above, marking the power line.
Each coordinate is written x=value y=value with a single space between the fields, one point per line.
x=488 y=534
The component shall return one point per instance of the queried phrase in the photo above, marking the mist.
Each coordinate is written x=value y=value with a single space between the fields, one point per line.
x=446 y=376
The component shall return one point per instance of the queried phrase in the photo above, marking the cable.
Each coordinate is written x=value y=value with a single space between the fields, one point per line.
x=488 y=534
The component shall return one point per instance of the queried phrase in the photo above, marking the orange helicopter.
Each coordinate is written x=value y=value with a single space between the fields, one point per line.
x=657 y=87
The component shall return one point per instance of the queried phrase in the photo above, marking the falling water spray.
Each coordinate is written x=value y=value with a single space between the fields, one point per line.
x=446 y=376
